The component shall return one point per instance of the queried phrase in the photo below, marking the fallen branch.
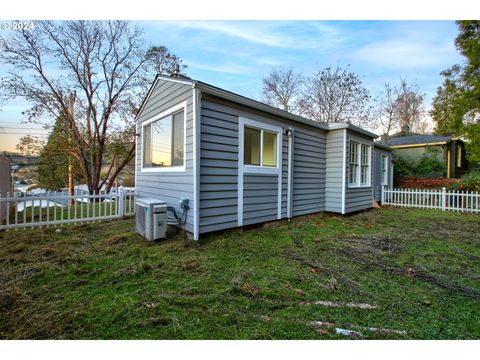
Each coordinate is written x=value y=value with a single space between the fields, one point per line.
x=340 y=304
x=360 y=328
x=439 y=280
x=327 y=271
x=326 y=324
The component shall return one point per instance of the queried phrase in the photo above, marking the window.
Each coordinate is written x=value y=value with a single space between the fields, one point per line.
x=365 y=165
x=359 y=164
x=459 y=156
x=353 y=168
x=163 y=142
x=384 y=169
x=251 y=152
x=260 y=147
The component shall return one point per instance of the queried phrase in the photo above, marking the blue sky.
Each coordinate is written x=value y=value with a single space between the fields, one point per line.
x=235 y=55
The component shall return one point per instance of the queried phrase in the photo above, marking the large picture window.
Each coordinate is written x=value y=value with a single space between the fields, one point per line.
x=359 y=164
x=163 y=142
x=260 y=147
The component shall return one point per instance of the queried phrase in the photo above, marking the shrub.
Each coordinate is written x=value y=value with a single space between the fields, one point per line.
x=469 y=182
x=427 y=166
x=128 y=181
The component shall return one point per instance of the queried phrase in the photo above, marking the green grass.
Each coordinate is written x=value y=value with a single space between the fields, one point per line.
x=102 y=281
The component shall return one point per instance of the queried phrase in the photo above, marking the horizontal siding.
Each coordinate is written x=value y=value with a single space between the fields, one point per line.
x=259 y=209
x=334 y=172
x=218 y=169
x=361 y=198
x=309 y=161
x=168 y=186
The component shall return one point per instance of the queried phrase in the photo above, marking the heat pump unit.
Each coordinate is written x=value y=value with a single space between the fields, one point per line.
x=151 y=218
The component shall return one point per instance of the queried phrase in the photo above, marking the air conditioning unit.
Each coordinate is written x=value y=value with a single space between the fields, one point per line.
x=151 y=218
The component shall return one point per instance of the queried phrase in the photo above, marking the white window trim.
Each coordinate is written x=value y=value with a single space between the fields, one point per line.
x=170 y=111
x=359 y=184
x=385 y=164
x=254 y=169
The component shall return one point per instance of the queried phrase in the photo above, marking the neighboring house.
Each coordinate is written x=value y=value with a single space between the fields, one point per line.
x=241 y=162
x=450 y=150
x=5 y=182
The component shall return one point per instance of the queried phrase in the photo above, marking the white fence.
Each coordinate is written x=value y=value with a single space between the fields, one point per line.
x=52 y=209
x=441 y=199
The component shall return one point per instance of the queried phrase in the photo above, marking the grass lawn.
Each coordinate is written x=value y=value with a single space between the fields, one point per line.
x=419 y=270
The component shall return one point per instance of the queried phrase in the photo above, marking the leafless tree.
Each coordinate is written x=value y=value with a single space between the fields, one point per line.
x=410 y=108
x=336 y=95
x=387 y=111
x=281 y=89
x=92 y=75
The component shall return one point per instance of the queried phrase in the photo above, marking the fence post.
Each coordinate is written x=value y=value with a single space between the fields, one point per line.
x=444 y=199
x=383 y=194
x=121 y=203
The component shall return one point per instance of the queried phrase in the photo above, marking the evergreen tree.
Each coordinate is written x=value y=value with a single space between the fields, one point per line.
x=456 y=108
x=54 y=160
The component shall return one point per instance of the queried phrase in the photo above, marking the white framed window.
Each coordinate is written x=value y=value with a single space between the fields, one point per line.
x=353 y=163
x=384 y=169
x=260 y=147
x=164 y=141
x=359 y=173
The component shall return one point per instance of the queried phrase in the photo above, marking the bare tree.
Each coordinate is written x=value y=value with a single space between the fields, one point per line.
x=336 y=95
x=410 y=108
x=281 y=88
x=387 y=111
x=92 y=75
x=30 y=145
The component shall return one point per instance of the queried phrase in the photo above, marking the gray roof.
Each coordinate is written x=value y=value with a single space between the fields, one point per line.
x=381 y=145
x=228 y=95
x=417 y=139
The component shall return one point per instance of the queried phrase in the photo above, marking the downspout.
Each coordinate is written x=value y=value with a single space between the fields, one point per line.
x=196 y=162
x=291 y=139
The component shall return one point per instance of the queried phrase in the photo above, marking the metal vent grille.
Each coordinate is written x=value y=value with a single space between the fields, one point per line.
x=140 y=219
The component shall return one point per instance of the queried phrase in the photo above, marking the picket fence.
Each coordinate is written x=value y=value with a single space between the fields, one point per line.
x=53 y=209
x=441 y=199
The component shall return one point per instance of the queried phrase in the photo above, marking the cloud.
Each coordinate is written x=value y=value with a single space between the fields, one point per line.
x=228 y=68
x=407 y=54
x=281 y=34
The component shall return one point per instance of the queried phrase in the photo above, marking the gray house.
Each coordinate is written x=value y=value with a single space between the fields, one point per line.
x=241 y=162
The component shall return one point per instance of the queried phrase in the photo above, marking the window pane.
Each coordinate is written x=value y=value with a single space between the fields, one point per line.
x=353 y=159
x=269 y=149
x=251 y=148
x=178 y=136
x=162 y=142
x=147 y=146
x=364 y=154
x=384 y=170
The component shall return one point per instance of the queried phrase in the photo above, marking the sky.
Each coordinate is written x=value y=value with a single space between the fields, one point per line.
x=234 y=55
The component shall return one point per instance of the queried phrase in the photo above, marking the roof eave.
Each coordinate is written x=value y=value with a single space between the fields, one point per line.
x=382 y=146
x=357 y=129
